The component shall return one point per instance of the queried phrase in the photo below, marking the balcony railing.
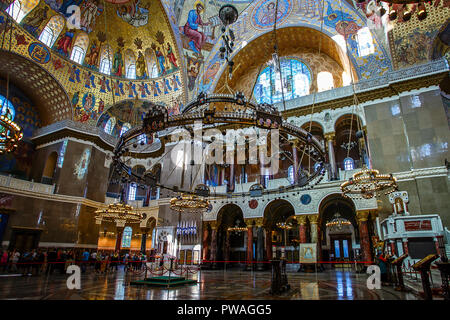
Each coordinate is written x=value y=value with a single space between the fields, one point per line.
x=25 y=185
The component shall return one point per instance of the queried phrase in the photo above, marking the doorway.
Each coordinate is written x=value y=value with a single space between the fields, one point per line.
x=23 y=239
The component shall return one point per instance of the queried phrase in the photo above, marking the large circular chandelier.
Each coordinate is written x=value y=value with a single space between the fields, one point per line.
x=189 y=203
x=367 y=183
x=338 y=222
x=284 y=225
x=10 y=134
x=118 y=212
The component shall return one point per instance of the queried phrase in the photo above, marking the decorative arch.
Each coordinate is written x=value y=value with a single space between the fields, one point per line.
x=130 y=64
x=80 y=47
x=152 y=67
x=106 y=56
x=52 y=30
x=20 y=8
x=50 y=167
x=277 y=210
x=346 y=118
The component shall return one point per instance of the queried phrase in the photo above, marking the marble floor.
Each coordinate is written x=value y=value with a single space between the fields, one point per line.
x=212 y=284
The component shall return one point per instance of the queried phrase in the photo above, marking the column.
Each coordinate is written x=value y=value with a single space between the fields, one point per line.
x=232 y=177
x=144 y=231
x=259 y=244
x=268 y=244
x=313 y=218
x=302 y=228
x=213 y=243
x=119 y=237
x=362 y=217
x=295 y=160
x=227 y=246
x=205 y=242
x=405 y=245
x=249 y=259
x=331 y=158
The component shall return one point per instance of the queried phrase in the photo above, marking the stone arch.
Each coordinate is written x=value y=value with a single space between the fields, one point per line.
x=48 y=174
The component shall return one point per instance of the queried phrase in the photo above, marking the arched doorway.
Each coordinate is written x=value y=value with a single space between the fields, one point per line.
x=339 y=233
x=49 y=169
x=280 y=211
x=230 y=245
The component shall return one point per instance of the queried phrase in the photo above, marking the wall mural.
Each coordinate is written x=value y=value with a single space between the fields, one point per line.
x=82 y=165
x=254 y=20
x=92 y=92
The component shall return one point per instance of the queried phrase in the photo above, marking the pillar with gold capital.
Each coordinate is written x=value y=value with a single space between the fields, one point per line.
x=213 y=243
x=259 y=243
x=205 y=241
x=362 y=217
x=313 y=219
x=332 y=160
x=249 y=259
x=301 y=228
x=145 y=231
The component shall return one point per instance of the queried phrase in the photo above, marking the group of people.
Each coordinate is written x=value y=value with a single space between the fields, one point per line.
x=47 y=261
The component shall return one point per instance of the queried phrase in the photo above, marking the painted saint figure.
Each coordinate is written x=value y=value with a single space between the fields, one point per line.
x=32 y=22
x=161 y=61
x=171 y=56
x=118 y=63
x=91 y=59
x=141 y=70
x=197 y=38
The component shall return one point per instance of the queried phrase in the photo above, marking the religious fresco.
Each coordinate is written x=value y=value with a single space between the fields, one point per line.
x=199 y=28
x=126 y=27
x=82 y=165
x=103 y=90
x=413 y=42
x=339 y=19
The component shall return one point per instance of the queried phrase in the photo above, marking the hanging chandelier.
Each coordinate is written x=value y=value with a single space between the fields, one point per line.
x=284 y=225
x=367 y=183
x=118 y=212
x=10 y=134
x=189 y=203
x=338 y=221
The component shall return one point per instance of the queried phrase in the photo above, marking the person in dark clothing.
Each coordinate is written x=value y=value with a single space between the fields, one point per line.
x=51 y=259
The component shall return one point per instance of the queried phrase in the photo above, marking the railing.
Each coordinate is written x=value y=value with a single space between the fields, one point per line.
x=25 y=185
x=435 y=66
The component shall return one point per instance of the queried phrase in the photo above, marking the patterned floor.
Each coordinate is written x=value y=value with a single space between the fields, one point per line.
x=232 y=284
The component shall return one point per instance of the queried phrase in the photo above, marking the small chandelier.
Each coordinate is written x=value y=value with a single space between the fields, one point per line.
x=10 y=134
x=189 y=203
x=118 y=212
x=349 y=145
x=338 y=221
x=368 y=183
x=284 y=225
x=236 y=228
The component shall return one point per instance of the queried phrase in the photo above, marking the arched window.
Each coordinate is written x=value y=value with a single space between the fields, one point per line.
x=152 y=67
x=105 y=59
x=125 y=128
x=126 y=237
x=349 y=164
x=365 y=42
x=132 y=192
x=142 y=138
x=20 y=8
x=7 y=109
x=110 y=125
x=79 y=48
x=52 y=30
x=346 y=79
x=130 y=64
x=291 y=174
x=296 y=78
x=324 y=81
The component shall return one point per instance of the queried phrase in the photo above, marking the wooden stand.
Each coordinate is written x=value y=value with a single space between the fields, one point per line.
x=423 y=266
x=397 y=263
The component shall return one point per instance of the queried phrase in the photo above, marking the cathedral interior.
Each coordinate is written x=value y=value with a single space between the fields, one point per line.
x=229 y=149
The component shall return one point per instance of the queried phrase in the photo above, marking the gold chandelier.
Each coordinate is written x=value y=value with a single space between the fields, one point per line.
x=10 y=134
x=284 y=225
x=338 y=221
x=189 y=203
x=118 y=212
x=367 y=183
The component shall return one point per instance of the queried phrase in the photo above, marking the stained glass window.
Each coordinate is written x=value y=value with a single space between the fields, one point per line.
x=52 y=30
x=349 y=164
x=19 y=9
x=62 y=153
x=142 y=138
x=105 y=59
x=132 y=192
x=7 y=109
x=291 y=174
x=125 y=128
x=110 y=125
x=79 y=48
x=130 y=64
x=126 y=237
x=131 y=71
x=296 y=79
